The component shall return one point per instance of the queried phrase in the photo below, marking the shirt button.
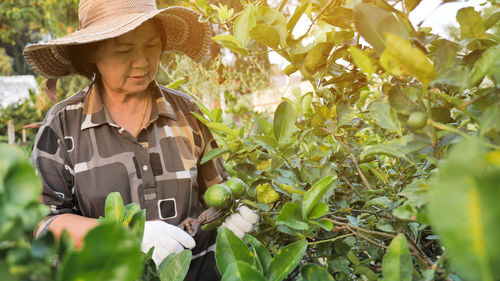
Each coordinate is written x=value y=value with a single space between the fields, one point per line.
x=145 y=167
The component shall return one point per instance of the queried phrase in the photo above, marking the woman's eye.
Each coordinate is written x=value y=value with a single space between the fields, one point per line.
x=151 y=45
x=123 y=51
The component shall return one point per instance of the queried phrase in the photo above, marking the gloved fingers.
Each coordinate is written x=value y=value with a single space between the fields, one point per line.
x=229 y=224
x=240 y=222
x=168 y=244
x=178 y=234
x=248 y=215
x=159 y=254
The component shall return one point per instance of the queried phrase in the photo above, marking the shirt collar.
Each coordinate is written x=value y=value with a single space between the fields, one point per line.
x=164 y=107
x=96 y=114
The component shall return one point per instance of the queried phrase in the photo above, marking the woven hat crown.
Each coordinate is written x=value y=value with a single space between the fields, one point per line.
x=93 y=11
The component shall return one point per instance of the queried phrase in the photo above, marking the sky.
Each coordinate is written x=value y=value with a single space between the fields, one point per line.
x=429 y=11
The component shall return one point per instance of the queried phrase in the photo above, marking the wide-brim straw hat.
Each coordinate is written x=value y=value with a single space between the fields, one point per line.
x=105 y=19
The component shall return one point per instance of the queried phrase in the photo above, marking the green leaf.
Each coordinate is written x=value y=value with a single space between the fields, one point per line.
x=446 y=57
x=368 y=273
x=243 y=24
x=489 y=119
x=484 y=65
x=291 y=216
x=400 y=102
x=286 y=259
x=381 y=112
x=130 y=211
x=266 y=35
x=382 y=202
x=373 y=22
x=272 y=17
x=317 y=56
x=229 y=249
x=137 y=223
x=213 y=153
x=362 y=60
x=352 y=258
x=114 y=208
x=297 y=13
x=398 y=148
x=110 y=252
x=471 y=23
x=401 y=57
x=314 y=272
x=241 y=271
x=397 y=264
x=316 y=192
x=230 y=42
x=264 y=125
x=325 y=224
x=266 y=194
x=411 y=4
x=260 y=252
x=175 y=266
x=202 y=5
x=319 y=210
x=221 y=127
x=175 y=84
x=492 y=20
x=284 y=122
x=467 y=224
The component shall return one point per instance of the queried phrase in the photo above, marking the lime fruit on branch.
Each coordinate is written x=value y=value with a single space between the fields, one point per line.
x=417 y=120
x=218 y=196
x=237 y=186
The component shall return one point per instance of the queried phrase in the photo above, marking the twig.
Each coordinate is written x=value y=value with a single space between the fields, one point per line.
x=315 y=19
x=366 y=238
x=463 y=106
x=418 y=253
x=331 y=239
x=456 y=131
x=383 y=234
x=429 y=116
x=345 y=144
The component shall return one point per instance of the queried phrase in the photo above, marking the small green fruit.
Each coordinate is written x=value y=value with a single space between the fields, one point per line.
x=417 y=120
x=237 y=186
x=218 y=196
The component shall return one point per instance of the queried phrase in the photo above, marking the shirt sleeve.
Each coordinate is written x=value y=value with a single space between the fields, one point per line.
x=51 y=160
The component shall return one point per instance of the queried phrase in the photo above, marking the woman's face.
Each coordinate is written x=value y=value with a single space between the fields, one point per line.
x=128 y=63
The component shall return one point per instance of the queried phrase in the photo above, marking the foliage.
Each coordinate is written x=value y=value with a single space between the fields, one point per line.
x=5 y=64
x=227 y=89
x=24 y=112
x=111 y=250
x=355 y=127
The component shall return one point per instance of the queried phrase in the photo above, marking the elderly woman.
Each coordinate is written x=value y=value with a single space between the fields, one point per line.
x=124 y=132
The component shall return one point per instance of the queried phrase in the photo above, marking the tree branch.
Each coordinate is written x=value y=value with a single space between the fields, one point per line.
x=343 y=141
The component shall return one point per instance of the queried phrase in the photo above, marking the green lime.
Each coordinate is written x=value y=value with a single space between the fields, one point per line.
x=218 y=196
x=417 y=120
x=237 y=186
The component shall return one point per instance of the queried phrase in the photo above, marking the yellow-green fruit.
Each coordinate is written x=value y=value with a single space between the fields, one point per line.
x=218 y=196
x=417 y=120
x=237 y=186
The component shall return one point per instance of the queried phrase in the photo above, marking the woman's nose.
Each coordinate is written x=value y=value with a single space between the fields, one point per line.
x=140 y=59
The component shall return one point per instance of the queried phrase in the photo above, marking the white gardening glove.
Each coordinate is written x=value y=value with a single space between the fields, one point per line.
x=242 y=221
x=166 y=239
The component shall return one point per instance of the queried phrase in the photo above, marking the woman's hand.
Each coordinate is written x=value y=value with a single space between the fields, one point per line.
x=241 y=222
x=166 y=239
x=77 y=227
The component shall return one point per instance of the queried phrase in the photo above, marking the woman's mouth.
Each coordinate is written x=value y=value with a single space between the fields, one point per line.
x=138 y=78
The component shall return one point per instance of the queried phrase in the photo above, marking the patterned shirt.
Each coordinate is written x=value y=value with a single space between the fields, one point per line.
x=82 y=156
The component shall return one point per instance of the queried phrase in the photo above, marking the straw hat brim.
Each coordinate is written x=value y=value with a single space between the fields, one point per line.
x=183 y=32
